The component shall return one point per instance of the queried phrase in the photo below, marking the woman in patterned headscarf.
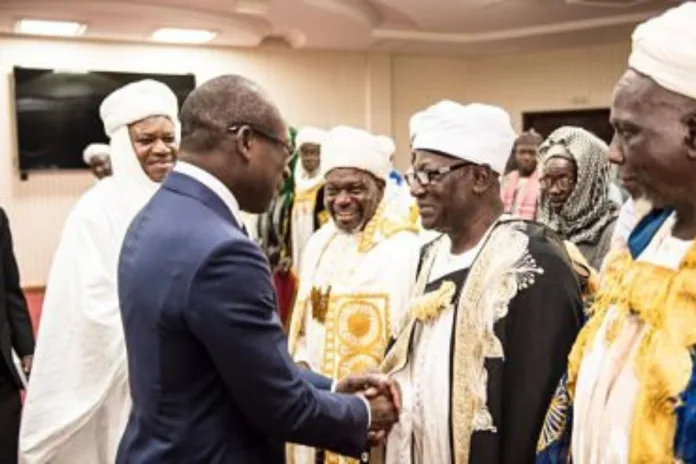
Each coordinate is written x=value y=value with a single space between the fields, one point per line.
x=575 y=191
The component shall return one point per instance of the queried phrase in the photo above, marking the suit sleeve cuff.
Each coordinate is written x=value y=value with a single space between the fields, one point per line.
x=362 y=397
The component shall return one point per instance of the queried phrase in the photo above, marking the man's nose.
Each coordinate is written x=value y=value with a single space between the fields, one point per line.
x=342 y=199
x=416 y=189
x=616 y=152
x=161 y=147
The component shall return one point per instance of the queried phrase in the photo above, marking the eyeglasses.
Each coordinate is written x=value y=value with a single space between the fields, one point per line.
x=562 y=183
x=426 y=177
x=288 y=147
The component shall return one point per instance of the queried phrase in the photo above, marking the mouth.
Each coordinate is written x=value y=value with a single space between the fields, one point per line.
x=425 y=209
x=161 y=162
x=345 y=216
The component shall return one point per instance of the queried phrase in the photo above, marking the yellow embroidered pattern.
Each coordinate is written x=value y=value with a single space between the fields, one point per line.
x=665 y=300
x=427 y=308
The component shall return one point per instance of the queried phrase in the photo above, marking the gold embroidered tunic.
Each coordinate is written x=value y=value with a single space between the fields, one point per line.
x=633 y=358
x=354 y=291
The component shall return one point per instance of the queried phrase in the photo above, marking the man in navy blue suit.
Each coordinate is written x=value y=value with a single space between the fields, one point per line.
x=211 y=378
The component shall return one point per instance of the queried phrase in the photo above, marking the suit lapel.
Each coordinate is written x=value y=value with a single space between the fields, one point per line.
x=186 y=185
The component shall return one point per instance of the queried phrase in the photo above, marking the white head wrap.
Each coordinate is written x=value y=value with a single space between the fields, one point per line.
x=95 y=149
x=388 y=144
x=477 y=133
x=664 y=49
x=413 y=125
x=348 y=147
x=310 y=135
x=131 y=103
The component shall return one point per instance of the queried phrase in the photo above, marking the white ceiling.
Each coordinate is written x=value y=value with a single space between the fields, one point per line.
x=467 y=27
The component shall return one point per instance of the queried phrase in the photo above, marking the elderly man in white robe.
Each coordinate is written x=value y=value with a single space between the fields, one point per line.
x=630 y=395
x=358 y=270
x=306 y=216
x=78 y=399
x=96 y=156
x=495 y=309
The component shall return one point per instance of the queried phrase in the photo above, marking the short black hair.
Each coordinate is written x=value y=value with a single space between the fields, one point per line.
x=212 y=108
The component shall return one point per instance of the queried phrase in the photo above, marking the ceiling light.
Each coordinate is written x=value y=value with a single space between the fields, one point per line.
x=52 y=28
x=189 y=36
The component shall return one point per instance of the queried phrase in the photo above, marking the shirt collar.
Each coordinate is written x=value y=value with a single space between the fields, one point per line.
x=214 y=184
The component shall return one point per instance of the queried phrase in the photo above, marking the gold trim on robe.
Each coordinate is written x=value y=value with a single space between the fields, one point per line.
x=494 y=280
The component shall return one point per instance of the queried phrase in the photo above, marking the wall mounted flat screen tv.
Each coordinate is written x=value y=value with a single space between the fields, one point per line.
x=58 y=112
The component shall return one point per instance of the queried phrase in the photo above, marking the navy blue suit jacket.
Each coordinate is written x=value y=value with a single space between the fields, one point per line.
x=210 y=374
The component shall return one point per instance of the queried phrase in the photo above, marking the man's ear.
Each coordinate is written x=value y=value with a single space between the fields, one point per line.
x=243 y=142
x=483 y=179
x=690 y=139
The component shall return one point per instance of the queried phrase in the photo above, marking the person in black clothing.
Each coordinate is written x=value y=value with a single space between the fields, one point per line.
x=15 y=332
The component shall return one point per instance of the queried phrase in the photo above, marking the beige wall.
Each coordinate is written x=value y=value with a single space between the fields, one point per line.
x=378 y=92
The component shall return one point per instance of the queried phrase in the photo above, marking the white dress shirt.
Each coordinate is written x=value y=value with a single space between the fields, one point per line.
x=214 y=184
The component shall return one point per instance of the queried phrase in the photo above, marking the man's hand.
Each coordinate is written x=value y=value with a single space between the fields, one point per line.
x=372 y=384
x=26 y=363
x=384 y=397
x=384 y=415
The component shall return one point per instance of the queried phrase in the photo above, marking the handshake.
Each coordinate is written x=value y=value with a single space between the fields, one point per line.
x=384 y=398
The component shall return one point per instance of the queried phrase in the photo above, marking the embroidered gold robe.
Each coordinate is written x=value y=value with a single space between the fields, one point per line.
x=354 y=291
x=634 y=358
x=484 y=348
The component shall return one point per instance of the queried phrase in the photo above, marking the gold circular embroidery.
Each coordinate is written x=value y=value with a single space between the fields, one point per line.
x=359 y=323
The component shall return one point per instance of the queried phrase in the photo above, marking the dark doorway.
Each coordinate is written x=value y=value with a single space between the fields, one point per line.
x=593 y=120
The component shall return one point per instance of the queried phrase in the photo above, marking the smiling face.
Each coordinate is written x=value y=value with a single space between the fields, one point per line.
x=446 y=196
x=154 y=143
x=653 y=146
x=352 y=197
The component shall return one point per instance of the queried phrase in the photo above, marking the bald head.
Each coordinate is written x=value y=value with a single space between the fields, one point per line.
x=224 y=101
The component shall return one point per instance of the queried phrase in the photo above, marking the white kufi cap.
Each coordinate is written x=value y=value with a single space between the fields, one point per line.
x=95 y=149
x=477 y=133
x=137 y=101
x=310 y=135
x=664 y=49
x=414 y=124
x=348 y=147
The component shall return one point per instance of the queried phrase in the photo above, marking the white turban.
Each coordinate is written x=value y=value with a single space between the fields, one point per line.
x=413 y=125
x=95 y=149
x=348 y=147
x=137 y=101
x=477 y=133
x=310 y=135
x=387 y=143
x=129 y=104
x=664 y=49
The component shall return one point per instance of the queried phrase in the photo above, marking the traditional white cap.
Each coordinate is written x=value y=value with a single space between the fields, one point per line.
x=477 y=133
x=95 y=149
x=388 y=144
x=310 y=135
x=348 y=147
x=137 y=101
x=664 y=49
x=413 y=125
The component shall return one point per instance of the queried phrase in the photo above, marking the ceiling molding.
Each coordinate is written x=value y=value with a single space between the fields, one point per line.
x=355 y=10
x=507 y=34
x=608 y=3
x=252 y=28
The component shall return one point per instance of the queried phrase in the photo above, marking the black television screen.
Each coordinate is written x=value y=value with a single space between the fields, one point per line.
x=58 y=112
